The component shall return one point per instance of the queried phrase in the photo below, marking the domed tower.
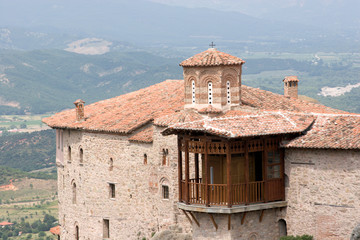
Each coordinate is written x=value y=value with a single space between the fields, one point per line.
x=212 y=78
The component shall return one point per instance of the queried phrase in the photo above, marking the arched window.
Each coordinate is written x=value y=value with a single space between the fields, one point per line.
x=165 y=152
x=165 y=190
x=77 y=236
x=228 y=92
x=145 y=158
x=210 y=94
x=111 y=164
x=69 y=154
x=282 y=228
x=81 y=154
x=74 y=192
x=193 y=91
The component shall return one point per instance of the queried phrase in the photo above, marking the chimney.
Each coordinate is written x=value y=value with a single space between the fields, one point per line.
x=79 y=107
x=291 y=86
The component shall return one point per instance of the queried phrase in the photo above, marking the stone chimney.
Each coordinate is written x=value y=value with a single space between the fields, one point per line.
x=79 y=107
x=291 y=86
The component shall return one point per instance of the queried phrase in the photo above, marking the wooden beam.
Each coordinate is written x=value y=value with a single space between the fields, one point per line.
x=186 y=171
x=207 y=177
x=180 y=169
x=187 y=216
x=243 y=218
x=195 y=220
x=228 y=173
x=265 y=160
x=247 y=171
x=261 y=215
x=213 y=221
x=229 y=222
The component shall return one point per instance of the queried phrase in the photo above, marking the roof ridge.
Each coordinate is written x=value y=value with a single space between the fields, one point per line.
x=288 y=119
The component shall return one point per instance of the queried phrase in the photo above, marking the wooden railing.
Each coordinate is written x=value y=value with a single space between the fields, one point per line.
x=241 y=193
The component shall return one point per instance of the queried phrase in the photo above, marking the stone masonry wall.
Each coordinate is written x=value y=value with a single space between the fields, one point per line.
x=138 y=208
x=323 y=193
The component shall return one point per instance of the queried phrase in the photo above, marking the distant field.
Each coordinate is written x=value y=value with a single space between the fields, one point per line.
x=23 y=123
x=30 y=202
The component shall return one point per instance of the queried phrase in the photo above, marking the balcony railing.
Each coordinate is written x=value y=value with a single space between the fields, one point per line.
x=241 y=193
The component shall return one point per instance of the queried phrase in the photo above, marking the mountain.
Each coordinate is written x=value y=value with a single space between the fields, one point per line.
x=40 y=81
x=146 y=24
x=28 y=151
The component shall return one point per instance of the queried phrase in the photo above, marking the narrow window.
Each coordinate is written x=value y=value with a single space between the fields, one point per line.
x=228 y=92
x=112 y=190
x=145 y=159
x=74 y=193
x=165 y=153
x=193 y=91
x=165 y=192
x=106 y=228
x=210 y=95
x=69 y=154
x=81 y=153
x=77 y=232
x=111 y=164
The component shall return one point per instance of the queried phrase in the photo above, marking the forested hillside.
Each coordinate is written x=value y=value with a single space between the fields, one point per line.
x=28 y=151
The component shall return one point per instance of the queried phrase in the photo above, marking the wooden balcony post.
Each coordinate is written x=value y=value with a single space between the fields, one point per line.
x=228 y=173
x=207 y=176
x=282 y=172
x=187 y=171
x=197 y=176
x=246 y=172
x=180 y=169
x=265 y=160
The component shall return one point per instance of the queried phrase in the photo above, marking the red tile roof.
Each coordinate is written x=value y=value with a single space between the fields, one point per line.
x=260 y=124
x=331 y=131
x=55 y=230
x=291 y=79
x=187 y=115
x=211 y=57
x=6 y=223
x=125 y=113
x=210 y=109
x=144 y=136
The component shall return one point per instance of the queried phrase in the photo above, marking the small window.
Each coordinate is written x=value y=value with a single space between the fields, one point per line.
x=193 y=91
x=165 y=153
x=228 y=92
x=106 y=228
x=112 y=190
x=81 y=153
x=74 y=193
x=77 y=233
x=111 y=164
x=210 y=95
x=69 y=154
x=145 y=159
x=165 y=192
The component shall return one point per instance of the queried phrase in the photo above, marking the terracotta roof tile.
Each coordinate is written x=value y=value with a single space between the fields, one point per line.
x=291 y=79
x=144 y=136
x=331 y=131
x=187 y=115
x=210 y=109
x=5 y=223
x=55 y=230
x=266 y=123
x=125 y=113
x=211 y=57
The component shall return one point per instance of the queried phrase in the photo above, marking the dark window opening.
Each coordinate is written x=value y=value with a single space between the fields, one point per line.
x=165 y=153
x=111 y=164
x=112 y=190
x=69 y=154
x=77 y=237
x=81 y=155
x=165 y=192
x=106 y=228
x=145 y=159
x=74 y=193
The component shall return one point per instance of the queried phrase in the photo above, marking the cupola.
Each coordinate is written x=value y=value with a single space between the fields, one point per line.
x=212 y=78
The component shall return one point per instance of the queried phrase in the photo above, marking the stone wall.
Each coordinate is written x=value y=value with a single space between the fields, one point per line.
x=323 y=192
x=138 y=208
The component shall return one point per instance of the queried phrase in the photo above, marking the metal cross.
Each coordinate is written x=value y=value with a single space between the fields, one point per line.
x=212 y=45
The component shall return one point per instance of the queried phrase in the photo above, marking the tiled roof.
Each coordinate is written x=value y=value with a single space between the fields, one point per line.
x=269 y=101
x=211 y=57
x=331 y=131
x=187 y=115
x=55 y=230
x=5 y=223
x=144 y=136
x=125 y=113
x=210 y=109
x=266 y=123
